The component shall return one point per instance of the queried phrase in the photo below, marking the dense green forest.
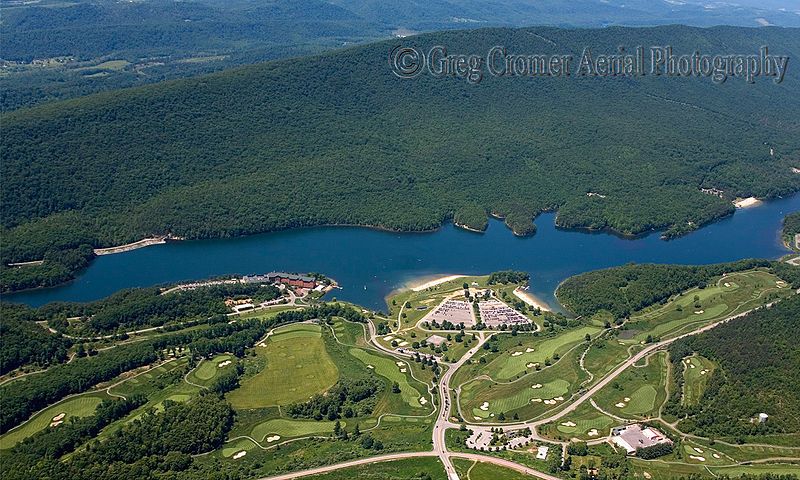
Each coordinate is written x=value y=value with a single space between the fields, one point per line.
x=791 y=227
x=56 y=50
x=626 y=289
x=275 y=145
x=25 y=343
x=760 y=372
x=159 y=445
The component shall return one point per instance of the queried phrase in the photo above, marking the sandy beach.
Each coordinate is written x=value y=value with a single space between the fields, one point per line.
x=746 y=202
x=434 y=282
x=531 y=300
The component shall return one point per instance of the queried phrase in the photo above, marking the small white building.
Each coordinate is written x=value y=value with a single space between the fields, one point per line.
x=762 y=417
x=634 y=437
x=541 y=452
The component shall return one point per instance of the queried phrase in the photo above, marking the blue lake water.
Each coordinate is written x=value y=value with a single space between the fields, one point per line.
x=369 y=264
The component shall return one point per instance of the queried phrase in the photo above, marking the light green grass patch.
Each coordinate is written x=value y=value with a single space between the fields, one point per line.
x=82 y=406
x=297 y=367
x=209 y=368
x=509 y=365
x=389 y=369
x=287 y=428
x=242 y=444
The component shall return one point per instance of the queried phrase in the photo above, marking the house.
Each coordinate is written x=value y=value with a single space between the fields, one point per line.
x=634 y=437
x=295 y=280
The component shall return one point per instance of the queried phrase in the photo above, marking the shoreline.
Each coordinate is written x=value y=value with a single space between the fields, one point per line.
x=532 y=300
x=414 y=286
x=145 y=242
x=748 y=202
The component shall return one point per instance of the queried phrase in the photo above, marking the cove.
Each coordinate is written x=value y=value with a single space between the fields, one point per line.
x=369 y=264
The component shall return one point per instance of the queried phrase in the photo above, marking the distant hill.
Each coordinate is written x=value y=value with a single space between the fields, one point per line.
x=57 y=50
x=339 y=139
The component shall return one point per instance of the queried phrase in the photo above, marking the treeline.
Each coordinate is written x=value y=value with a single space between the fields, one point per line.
x=508 y=276
x=626 y=289
x=473 y=217
x=158 y=445
x=52 y=443
x=759 y=372
x=791 y=227
x=26 y=343
x=58 y=266
x=348 y=398
x=147 y=307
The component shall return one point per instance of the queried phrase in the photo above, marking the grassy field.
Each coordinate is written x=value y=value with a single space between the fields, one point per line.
x=638 y=392
x=557 y=382
x=388 y=368
x=207 y=371
x=287 y=428
x=585 y=423
x=80 y=406
x=426 y=467
x=514 y=361
x=296 y=366
x=697 y=371
x=604 y=355
x=473 y=470
x=732 y=294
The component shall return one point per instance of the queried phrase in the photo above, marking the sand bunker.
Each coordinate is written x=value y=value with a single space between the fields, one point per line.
x=699 y=459
x=530 y=365
x=647 y=475
x=388 y=338
x=399 y=364
x=549 y=402
x=698 y=450
x=55 y=424
x=715 y=455
x=403 y=343
x=422 y=401
x=699 y=312
x=224 y=364
x=516 y=354
x=239 y=455
x=536 y=400
x=593 y=432
x=619 y=405
x=403 y=370
x=528 y=350
x=559 y=399
x=626 y=399
x=262 y=345
x=538 y=385
x=727 y=284
x=371 y=367
x=60 y=416
x=569 y=424
x=485 y=406
x=273 y=438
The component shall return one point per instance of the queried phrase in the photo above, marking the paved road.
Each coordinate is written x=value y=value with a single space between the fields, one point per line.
x=443 y=421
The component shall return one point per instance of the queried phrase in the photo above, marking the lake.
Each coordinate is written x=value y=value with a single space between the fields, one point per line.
x=369 y=264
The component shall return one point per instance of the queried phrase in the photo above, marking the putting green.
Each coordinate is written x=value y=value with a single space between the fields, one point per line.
x=642 y=400
x=82 y=406
x=287 y=428
x=297 y=366
x=389 y=369
x=696 y=375
x=242 y=444
x=208 y=369
x=515 y=361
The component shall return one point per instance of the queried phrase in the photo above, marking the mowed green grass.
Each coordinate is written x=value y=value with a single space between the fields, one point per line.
x=472 y=470
x=558 y=380
x=242 y=444
x=423 y=467
x=208 y=369
x=638 y=391
x=744 y=290
x=389 y=369
x=288 y=428
x=297 y=366
x=514 y=361
x=585 y=419
x=82 y=406
x=697 y=371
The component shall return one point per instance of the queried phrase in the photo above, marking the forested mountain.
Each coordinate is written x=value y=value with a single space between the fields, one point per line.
x=55 y=50
x=760 y=372
x=791 y=227
x=339 y=139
